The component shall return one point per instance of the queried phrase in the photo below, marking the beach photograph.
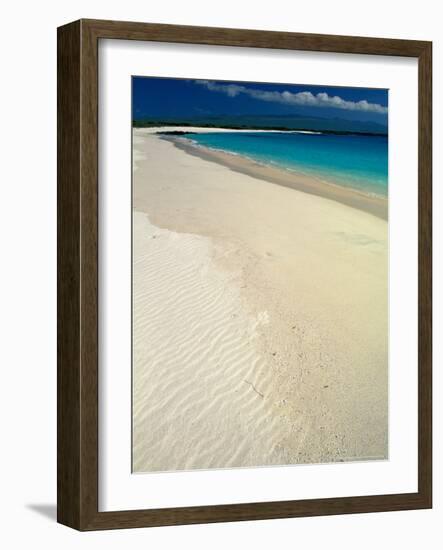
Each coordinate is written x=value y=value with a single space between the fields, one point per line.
x=259 y=274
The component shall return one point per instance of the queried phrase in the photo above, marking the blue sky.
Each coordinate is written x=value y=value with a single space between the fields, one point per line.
x=182 y=98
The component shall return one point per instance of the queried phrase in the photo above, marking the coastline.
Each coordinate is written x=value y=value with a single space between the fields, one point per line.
x=261 y=320
x=378 y=206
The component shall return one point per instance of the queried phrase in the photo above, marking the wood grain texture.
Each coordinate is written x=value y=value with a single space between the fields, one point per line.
x=425 y=274
x=68 y=275
x=77 y=173
x=254 y=38
x=89 y=275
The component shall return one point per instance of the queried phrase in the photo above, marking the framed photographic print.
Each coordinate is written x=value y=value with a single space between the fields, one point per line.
x=244 y=275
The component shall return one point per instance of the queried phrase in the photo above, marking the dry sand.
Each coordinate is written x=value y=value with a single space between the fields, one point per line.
x=260 y=327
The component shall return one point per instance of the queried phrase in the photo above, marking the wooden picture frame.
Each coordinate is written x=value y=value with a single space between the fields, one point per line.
x=77 y=456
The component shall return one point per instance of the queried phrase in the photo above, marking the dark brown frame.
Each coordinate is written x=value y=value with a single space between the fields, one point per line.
x=77 y=452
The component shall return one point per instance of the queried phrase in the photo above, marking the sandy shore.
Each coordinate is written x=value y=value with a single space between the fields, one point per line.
x=377 y=206
x=260 y=319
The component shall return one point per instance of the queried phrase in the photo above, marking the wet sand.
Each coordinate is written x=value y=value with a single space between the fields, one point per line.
x=377 y=206
x=260 y=325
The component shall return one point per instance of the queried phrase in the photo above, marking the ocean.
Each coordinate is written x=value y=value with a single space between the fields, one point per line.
x=350 y=160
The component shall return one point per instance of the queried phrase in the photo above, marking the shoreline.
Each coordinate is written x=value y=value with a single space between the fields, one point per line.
x=260 y=320
x=376 y=206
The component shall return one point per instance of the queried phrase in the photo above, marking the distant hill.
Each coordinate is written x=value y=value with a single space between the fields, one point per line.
x=271 y=122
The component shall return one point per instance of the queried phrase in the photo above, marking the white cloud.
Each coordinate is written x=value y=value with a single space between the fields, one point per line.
x=321 y=99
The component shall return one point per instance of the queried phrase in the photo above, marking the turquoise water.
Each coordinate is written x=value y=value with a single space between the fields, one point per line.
x=356 y=161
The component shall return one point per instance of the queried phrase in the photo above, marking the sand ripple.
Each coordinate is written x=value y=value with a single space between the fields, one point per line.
x=200 y=384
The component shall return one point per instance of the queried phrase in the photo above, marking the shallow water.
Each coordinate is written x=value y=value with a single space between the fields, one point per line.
x=356 y=161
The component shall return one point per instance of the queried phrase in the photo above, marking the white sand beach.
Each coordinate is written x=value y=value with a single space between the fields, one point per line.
x=260 y=318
